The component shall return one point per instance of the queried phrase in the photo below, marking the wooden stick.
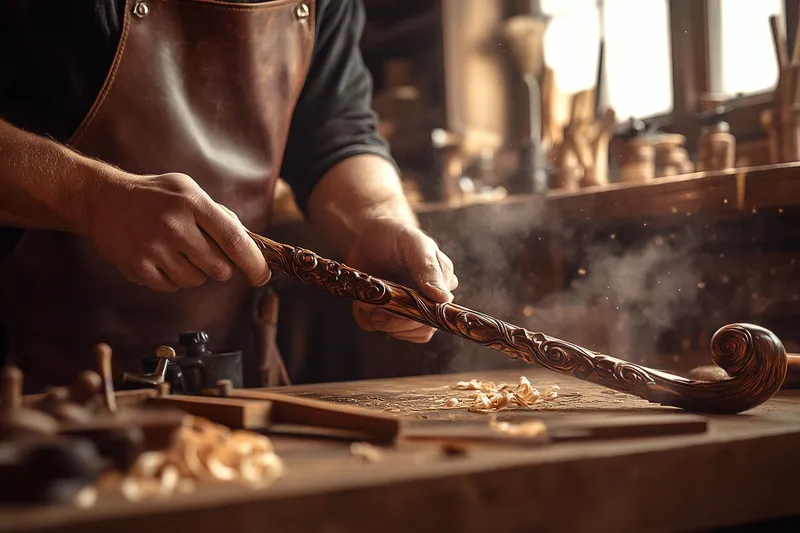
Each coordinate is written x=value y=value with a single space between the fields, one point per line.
x=753 y=356
x=784 y=90
x=12 y=388
x=103 y=354
x=778 y=41
x=232 y=412
x=303 y=411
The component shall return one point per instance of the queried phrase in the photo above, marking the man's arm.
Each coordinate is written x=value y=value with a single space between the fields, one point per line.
x=345 y=178
x=44 y=184
x=359 y=204
x=163 y=232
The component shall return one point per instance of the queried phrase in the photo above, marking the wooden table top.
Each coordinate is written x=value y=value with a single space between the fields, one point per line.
x=740 y=470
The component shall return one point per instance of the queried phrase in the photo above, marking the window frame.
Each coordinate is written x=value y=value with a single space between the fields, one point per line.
x=690 y=36
x=691 y=77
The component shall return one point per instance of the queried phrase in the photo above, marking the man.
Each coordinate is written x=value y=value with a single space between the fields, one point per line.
x=130 y=128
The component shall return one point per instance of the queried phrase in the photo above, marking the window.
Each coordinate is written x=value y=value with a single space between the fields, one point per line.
x=742 y=65
x=638 y=57
x=637 y=51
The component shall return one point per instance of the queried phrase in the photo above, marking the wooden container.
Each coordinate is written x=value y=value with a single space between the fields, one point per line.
x=671 y=156
x=637 y=159
x=716 y=149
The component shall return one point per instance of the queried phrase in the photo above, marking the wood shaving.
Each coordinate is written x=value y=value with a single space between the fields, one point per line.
x=551 y=392
x=474 y=384
x=452 y=402
x=492 y=398
x=203 y=452
x=366 y=452
x=86 y=497
x=533 y=428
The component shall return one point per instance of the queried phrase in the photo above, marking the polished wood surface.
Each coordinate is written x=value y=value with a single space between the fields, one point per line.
x=753 y=357
x=740 y=470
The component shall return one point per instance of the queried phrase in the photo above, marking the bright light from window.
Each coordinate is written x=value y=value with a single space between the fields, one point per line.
x=638 y=57
x=567 y=7
x=746 y=53
x=571 y=47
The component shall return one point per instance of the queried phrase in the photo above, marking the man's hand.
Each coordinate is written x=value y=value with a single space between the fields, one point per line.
x=395 y=249
x=166 y=233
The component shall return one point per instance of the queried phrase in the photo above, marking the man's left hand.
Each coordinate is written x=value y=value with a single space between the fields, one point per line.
x=394 y=249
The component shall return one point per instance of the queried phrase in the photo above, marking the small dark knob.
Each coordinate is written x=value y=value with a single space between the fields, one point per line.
x=195 y=343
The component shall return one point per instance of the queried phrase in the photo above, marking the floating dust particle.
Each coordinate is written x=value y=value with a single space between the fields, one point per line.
x=674 y=210
x=452 y=402
x=701 y=285
x=725 y=201
x=581 y=272
x=754 y=211
x=613 y=236
x=534 y=428
x=366 y=452
x=780 y=211
x=527 y=310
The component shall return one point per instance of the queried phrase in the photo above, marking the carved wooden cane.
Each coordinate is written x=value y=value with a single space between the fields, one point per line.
x=753 y=357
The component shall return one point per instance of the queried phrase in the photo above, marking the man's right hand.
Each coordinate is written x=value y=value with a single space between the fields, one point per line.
x=166 y=233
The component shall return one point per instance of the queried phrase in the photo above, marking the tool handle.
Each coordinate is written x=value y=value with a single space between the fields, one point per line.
x=753 y=357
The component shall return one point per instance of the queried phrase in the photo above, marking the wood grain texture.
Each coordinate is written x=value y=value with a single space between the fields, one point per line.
x=301 y=411
x=753 y=356
x=232 y=412
x=741 y=469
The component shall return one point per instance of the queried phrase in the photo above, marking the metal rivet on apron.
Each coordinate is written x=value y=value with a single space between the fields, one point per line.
x=140 y=9
x=302 y=11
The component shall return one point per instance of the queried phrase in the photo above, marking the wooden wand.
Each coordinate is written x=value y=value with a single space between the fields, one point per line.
x=753 y=357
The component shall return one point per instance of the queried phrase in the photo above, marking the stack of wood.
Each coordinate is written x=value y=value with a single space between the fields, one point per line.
x=579 y=150
x=782 y=120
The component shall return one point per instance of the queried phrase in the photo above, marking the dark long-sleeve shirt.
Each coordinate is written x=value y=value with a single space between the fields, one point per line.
x=56 y=55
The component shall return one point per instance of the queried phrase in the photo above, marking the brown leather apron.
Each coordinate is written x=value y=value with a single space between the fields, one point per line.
x=201 y=87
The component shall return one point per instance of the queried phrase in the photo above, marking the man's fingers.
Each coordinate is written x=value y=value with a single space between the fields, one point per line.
x=372 y=319
x=233 y=239
x=152 y=277
x=207 y=256
x=421 y=256
x=448 y=270
x=181 y=271
x=418 y=336
x=363 y=315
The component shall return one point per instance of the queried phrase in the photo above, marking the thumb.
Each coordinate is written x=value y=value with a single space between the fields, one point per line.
x=421 y=257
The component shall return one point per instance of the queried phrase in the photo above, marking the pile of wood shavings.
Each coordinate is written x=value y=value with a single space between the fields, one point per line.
x=366 y=452
x=203 y=452
x=534 y=428
x=491 y=398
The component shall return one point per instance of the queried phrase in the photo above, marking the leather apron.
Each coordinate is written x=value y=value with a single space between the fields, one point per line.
x=200 y=87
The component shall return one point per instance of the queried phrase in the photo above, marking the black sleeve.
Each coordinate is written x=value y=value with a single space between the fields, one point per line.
x=333 y=118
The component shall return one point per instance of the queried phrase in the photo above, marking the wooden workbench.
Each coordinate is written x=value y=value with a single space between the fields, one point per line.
x=742 y=469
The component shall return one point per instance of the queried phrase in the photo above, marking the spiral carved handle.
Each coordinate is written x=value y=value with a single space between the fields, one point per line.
x=753 y=357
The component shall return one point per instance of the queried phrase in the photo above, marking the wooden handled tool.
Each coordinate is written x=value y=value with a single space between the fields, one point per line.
x=753 y=357
x=264 y=410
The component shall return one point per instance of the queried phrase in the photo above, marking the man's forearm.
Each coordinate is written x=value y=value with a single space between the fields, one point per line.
x=44 y=184
x=356 y=191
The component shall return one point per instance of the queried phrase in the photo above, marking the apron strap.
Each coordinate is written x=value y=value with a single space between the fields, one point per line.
x=271 y=366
